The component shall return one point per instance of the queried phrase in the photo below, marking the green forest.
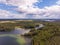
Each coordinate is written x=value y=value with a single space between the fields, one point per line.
x=47 y=35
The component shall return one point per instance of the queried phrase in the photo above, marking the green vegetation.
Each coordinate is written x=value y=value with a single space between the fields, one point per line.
x=48 y=35
x=44 y=36
x=7 y=26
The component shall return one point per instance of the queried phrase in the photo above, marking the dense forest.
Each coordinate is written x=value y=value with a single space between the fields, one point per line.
x=48 y=35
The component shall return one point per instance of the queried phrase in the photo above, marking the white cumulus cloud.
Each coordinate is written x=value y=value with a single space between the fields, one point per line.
x=58 y=2
x=7 y=14
x=25 y=7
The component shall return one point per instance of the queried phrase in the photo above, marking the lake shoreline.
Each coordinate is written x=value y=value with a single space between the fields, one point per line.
x=18 y=32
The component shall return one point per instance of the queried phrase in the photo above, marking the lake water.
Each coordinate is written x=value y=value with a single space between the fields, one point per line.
x=7 y=39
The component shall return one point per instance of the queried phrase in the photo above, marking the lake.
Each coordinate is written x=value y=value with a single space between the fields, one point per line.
x=14 y=37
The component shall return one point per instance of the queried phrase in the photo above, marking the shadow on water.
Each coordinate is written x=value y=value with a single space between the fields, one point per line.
x=7 y=40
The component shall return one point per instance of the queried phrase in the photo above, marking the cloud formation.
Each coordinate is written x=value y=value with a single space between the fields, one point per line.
x=58 y=2
x=26 y=9
x=6 y=14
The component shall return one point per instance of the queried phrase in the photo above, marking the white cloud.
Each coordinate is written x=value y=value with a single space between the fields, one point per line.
x=26 y=7
x=4 y=14
x=53 y=11
x=47 y=12
x=58 y=2
x=19 y=3
x=7 y=14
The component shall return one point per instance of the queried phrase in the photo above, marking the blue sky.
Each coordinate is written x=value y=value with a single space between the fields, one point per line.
x=8 y=8
x=37 y=9
x=45 y=3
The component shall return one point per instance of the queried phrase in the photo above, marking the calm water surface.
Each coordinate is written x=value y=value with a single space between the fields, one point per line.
x=8 y=40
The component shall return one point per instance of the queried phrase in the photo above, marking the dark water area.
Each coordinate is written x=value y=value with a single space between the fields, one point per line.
x=16 y=31
x=6 y=40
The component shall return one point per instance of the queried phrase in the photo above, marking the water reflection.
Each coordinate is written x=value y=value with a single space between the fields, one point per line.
x=16 y=31
x=7 y=40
